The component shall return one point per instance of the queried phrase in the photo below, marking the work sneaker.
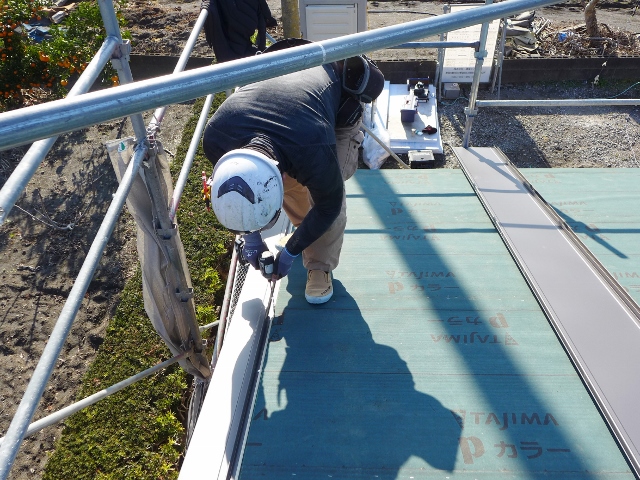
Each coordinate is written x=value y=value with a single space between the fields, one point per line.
x=283 y=242
x=319 y=288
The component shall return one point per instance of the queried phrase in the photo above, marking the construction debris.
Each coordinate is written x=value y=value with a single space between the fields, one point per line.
x=531 y=36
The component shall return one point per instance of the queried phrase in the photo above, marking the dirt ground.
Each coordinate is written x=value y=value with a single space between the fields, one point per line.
x=46 y=238
x=162 y=26
x=43 y=245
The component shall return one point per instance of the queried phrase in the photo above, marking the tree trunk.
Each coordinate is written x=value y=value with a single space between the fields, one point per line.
x=590 y=18
x=290 y=19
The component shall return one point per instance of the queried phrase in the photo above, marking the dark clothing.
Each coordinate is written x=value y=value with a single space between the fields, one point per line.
x=292 y=120
x=230 y=25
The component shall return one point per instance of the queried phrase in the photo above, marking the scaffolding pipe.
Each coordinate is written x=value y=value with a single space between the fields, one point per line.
x=440 y=59
x=96 y=397
x=578 y=102
x=123 y=68
x=384 y=145
x=502 y=45
x=437 y=45
x=58 y=337
x=27 y=167
x=60 y=116
x=158 y=115
x=188 y=161
x=209 y=325
x=471 y=111
x=226 y=304
x=498 y=67
x=120 y=60
x=35 y=388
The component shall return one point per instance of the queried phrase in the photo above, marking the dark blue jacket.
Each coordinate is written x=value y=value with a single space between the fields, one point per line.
x=292 y=120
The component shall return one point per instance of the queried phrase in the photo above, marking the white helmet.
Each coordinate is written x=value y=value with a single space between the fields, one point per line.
x=246 y=191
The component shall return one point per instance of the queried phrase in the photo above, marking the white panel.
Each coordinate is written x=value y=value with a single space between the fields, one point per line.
x=330 y=21
x=214 y=439
x=459 y=63
x=382 y=105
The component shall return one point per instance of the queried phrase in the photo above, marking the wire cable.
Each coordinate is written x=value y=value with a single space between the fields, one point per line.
x=454 y=102
x=402 y=11
x=624 y=91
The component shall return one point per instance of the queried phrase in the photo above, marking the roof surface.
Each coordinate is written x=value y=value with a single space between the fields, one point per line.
x=433 y=358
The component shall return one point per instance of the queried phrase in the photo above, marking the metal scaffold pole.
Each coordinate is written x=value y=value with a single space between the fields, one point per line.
x=471 y=111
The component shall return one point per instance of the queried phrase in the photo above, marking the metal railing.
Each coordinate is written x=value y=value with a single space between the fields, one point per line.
x=116 y=50
x=80 y=109
x=583 y=102
x=61 y=116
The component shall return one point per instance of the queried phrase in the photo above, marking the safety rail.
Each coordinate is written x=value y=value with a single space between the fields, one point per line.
x=586 y=102
x=131 y=99
x=442 y=44
x=61 y=116
x=36 y=153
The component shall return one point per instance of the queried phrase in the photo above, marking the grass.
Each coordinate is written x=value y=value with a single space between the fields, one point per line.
x=138 y=433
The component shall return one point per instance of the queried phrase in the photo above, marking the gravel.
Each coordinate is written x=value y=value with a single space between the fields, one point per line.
x=556 y=137
x=530 y=137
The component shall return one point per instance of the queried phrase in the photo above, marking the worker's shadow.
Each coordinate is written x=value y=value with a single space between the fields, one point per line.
x=342 y=405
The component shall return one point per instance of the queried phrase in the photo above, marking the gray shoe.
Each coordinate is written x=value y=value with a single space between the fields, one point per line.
x=319 y=287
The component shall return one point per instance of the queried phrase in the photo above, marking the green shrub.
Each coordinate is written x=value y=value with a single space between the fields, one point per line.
x=31 y=71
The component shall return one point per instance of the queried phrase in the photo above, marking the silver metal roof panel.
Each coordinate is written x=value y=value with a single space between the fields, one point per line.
x=597 y=322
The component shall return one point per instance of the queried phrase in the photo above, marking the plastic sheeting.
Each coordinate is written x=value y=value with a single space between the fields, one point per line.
x=165 y=275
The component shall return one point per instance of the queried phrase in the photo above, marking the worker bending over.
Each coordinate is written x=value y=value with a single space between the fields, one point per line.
x=290 y=142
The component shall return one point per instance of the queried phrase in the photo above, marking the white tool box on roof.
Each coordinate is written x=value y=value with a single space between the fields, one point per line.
x=407 y=136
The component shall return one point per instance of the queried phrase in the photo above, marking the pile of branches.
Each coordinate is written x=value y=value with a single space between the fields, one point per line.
x=573 y=41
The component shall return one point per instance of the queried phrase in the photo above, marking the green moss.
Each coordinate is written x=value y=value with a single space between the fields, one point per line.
x=138 y=433
x=207 y=244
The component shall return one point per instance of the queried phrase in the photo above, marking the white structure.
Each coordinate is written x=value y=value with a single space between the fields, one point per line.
x=324 y=19
x=459 y=63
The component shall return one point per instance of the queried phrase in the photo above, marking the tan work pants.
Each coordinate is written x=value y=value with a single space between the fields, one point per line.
x=324 y=253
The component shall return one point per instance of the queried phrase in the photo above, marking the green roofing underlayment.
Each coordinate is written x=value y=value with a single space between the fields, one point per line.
x=433 y=359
